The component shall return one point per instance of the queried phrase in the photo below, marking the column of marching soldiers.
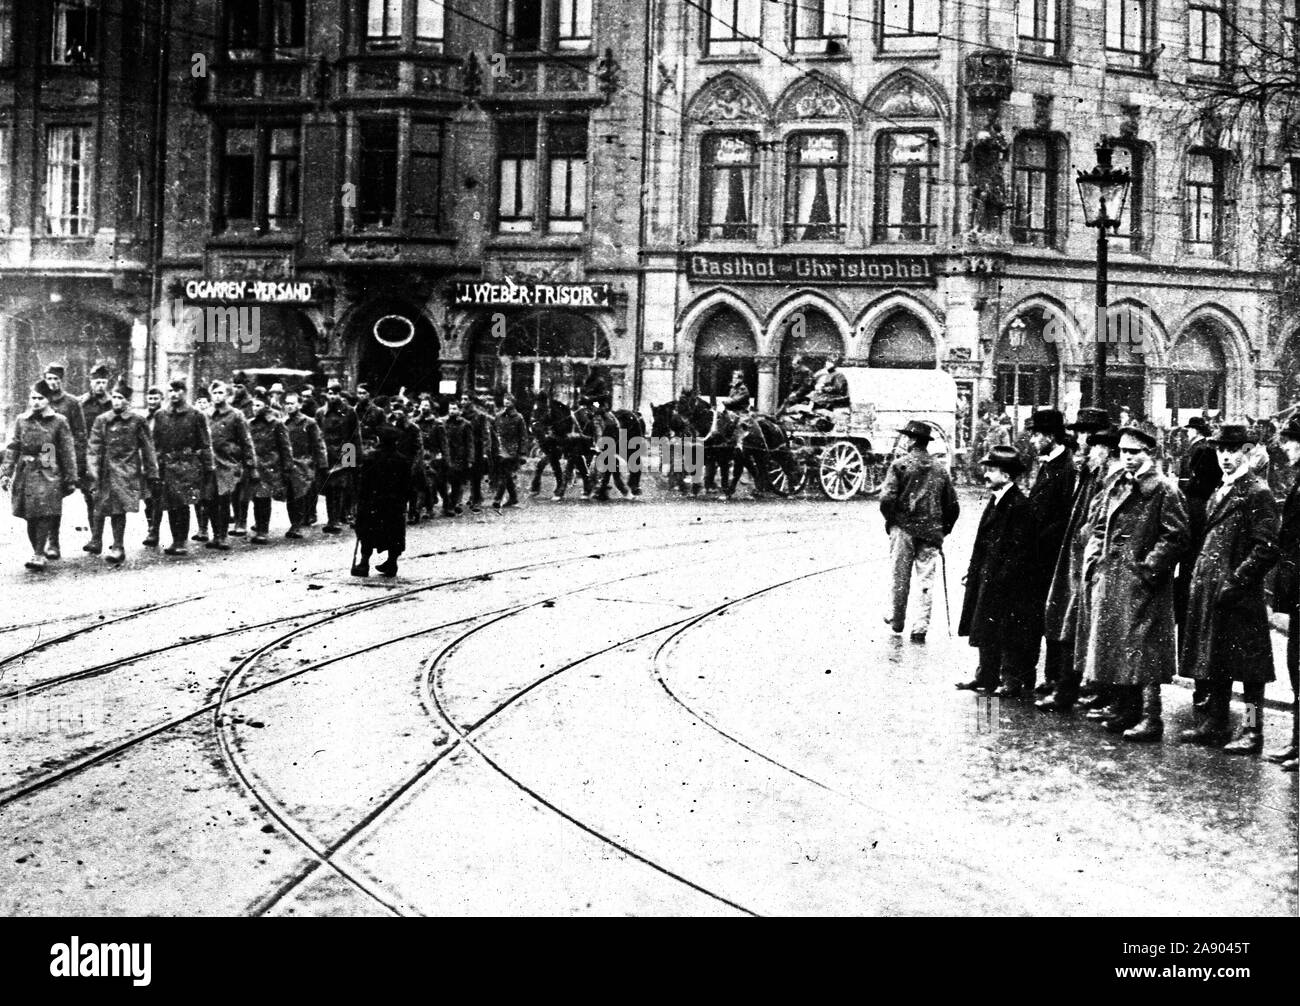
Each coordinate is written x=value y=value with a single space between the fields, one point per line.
x=1128 y=576
x=380 y=463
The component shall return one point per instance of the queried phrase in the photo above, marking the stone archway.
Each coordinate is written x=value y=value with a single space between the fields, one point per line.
x=411 y=364
x=724 y=342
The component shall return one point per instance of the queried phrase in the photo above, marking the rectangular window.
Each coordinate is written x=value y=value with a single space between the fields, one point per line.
x=574 y=24
x=821 y=26
x=1127 y=29
x=728 y=165
x=1290 y=43
x=1034 y=212
x=282 y=179
x=731 y=27
x=909 y=25
x=6 y=32
x=377 y=176
x=259 y=178
x=74 y=38
x=517 y=177
x=906 y=167
x=1205 y=34
x=524 y=25
x=814 y=194
x=1038 y=27
x=566 y=143
x=430 y=21
x=68 y=181
x=288 y=28
x=1204 y=202
x=1288 y=226
x=238 y=176
x=275 y=30
x=5 y=222
x=383 y=24
x=1130 y=230
x=425 y=185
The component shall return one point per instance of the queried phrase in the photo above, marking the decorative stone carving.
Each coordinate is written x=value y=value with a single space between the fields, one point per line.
x=812 y=98
x=985 y=152
x=903 y=97
x=1128 y=127
x=567 y=78
x=520 y=79
x=727 y=99
x=251 y=267
x=988 y=76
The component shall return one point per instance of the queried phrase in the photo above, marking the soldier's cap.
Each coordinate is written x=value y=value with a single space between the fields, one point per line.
x=100 y=371
x=425 y=396
x=307 y=389
x=334 y=386
x=239 y=377
x=364 y=387
x=277 y=388
x=1004 y=457
x=1199 y=423
x=216 y=384
x=1049 y=421
x=261 y=395
x=918 y=430
x=55 y=370
x=123 y=389
x=1090 y=420
x=154 y=390
x=1292 y=429
x=1138 y=433
x=178 y=384
x=42 y=389
x=1232 y=435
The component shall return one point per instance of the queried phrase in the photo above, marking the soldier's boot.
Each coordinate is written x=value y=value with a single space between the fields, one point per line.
x=1211 y=727
x=1151 y=727
x=1250 y=738
x=52 y=550
x=1290 y=752
x=96 y=543
x=388 y=567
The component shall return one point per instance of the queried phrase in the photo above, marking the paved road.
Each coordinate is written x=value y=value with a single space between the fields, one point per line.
x=654 y=708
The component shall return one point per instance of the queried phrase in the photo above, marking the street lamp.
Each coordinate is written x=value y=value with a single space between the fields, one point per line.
x=1016 y=340
x=1103 y=191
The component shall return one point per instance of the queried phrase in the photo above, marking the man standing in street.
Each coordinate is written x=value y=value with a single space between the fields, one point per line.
x=460 y=456
x=153 y=399
x=1226 y=634
x=480 y=462
x=920 y=508
x=183 y=444
x=1050 y=498
x=94 y=404
x=997 y=611
x=120 y=454
x=369 y=417
x=1199 y=475
x=1286 y=589
x=69 y=408
x=429 y=487
x=274 y=465
x=234 y=458
x=342 y=436
x=310 y=462
x=1139 y=533
x=512 y=445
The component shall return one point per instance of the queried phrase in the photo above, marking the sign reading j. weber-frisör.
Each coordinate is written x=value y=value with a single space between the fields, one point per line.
x=860 y=270
x=595 y=295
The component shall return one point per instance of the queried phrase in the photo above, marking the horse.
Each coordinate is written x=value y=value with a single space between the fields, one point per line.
x=625 y=429
x=551 y=424
x=683 y=422
x=751 y=441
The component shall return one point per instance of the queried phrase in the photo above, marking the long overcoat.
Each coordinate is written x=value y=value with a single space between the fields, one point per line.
x=1139 y=532
x=460 y=443
x=183 y=443
x=233 y=454
x=121 y=460
x=1062 y=607
x=1226 y=636
x=341 y=431
x=309 y=455
x=512 y=435
x=70 y=409
x=383 y=488
x=92 y=407
x=1286 y=585
x=274 y=456
x=41 y=458
x=997 y=609
x=1050 y=498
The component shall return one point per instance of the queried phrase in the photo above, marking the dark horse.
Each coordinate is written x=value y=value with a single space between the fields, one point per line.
x=685 y=422
x=552 y=426
x=754 y=442
x=586 y=426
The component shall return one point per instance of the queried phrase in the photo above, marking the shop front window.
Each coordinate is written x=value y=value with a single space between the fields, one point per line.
x=545 y=352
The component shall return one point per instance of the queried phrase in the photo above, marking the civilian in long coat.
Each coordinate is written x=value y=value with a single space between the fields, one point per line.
x=1226 y=634
x=1198 y=477
x=310 y=461
x=274 y=456
x=122 y=467
x=997 y=613
x=342 y=434
x=40 y=467
x=1050 y=498
x=183 y=443
x=383 y=486
x=1286 y=587
x=1139 y=532
x=234 y=458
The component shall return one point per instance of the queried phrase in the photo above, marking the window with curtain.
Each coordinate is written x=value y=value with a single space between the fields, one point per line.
x=1036 y=182
x=383 y=24
x=74 y=34
x=731 y=26
x=238 y=175
x=68 y=179
x=377 y=172
x=566 y=145
x=820 y=26
x=902 y=341
x=282 y=159
x=1289 y=223
x=1038 y=27
x=1197 y=366
x=517 y=176
x=907 y=165
x=729 y=165
x=1204 y=202
x=1127 y=26
x=1130 y=235
x=1205 y=34
x=908 y=25
x=814 y=188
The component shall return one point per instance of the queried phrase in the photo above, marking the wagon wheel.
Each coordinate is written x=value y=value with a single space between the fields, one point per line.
x=843 y=470
x=780 y=481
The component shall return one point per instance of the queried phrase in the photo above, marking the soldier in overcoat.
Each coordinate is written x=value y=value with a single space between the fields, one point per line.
x=460 y=456
x=153 y=400
x=1226 y=635
x=383 y=487
x=1139 y=532
x=512 y=446
x=342 y=435
x=429 y=482
x=94 y=404
x=70 y=409
x=122 y=467
x=998 y=614
x=183 y=443
x=274 y=470
x=484 y=455
x=234 y=461
x=1050 y=498
x=40 y=467
x=310 y=462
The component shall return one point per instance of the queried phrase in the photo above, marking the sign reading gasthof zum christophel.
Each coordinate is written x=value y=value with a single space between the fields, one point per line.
x=859 y=270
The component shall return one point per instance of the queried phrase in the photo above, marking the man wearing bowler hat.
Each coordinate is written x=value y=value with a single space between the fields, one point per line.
x=1226 y=634
x=998 y=614
x=920 y=508
x=1051 y=499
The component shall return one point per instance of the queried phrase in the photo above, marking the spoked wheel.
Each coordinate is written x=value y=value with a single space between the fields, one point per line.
x=780 y=480
x=843 y=470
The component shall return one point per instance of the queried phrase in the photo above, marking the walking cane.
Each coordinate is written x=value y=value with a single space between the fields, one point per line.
x=947 y=610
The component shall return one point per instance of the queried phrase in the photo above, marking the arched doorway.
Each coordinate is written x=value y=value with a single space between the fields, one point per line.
x=76 y=339
x=1197 y=382
x=809 y=333
x=553 y=351
x=1026 y=374
x=397 y=347
x=283 y=348
x=902 y=341
x=725 y=344
x=1129 y=339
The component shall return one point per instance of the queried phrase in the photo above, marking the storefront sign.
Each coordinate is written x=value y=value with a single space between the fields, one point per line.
x=251 y=291
x=579 y=295
x=854 y=270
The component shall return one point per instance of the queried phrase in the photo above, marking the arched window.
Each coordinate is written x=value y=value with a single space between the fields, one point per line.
x=816 y=165
x=548 y=351
x=812 y=335
x=907 y=165
x=902 y=340
x=1026 y=373
x=1197 y=372
x=725 y=344
x=728 y=167
x=1035 y=164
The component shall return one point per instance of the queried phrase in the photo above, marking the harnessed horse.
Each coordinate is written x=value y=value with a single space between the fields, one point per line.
x=751 y=441
x=551 y=426
x=684 y=422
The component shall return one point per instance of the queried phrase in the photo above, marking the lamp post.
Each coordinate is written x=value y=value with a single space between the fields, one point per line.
x=1103 y=191
x=1016 y=339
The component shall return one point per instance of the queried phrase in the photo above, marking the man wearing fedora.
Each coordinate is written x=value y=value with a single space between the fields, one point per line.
x=920 y=508
x=1286 y=588
x=998 y=614
x=1050 y=498
x=1139 y=532
x=1062 y=611
x=122 y=466
x=1226 y=635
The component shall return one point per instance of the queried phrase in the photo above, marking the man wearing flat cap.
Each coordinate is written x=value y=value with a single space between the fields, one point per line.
x=1051 y=499
x=920 y=507
x=69 y=408
x=998 y=614
x=122 y=465
x=1226 y=634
